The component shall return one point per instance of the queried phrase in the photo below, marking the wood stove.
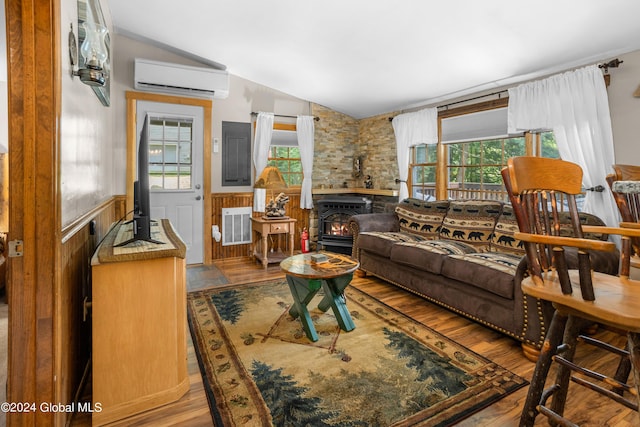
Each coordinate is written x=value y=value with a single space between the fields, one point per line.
x=333 y=216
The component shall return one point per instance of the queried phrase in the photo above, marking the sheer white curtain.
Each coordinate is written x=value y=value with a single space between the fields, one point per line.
x=264 y=130
x=576 y=107
x=304 y=129
x=420 y=127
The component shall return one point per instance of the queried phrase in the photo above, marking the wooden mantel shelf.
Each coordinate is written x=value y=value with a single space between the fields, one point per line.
x=365 y=191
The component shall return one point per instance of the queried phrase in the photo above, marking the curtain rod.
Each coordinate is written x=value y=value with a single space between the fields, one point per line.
x=614 y=63
x=316 y=118
x=446 y=106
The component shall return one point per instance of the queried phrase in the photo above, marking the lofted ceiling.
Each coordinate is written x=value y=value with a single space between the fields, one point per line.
x=368 y=57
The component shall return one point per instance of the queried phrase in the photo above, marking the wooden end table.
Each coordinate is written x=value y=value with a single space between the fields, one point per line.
x=262 y=229
x=306 y=278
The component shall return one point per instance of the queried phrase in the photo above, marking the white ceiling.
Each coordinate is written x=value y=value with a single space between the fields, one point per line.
x=368 y=57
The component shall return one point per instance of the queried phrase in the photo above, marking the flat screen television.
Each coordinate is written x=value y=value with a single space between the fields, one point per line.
x=141 y=222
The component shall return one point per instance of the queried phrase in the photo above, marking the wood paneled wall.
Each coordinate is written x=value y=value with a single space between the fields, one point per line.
x=73 y=332
x=220 y=201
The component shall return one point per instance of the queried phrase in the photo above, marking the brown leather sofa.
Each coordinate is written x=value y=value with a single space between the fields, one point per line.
x=462 y=255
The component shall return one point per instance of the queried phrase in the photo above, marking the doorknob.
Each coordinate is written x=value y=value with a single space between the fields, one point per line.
x=197 y=186
x=198 y=197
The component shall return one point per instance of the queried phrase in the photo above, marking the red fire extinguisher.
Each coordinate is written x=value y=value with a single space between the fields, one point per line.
x=304 y=241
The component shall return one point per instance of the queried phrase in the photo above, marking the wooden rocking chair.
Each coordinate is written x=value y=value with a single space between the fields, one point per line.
x=539 y=189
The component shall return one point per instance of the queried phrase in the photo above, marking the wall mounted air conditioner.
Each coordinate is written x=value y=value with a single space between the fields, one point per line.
x=179 y=79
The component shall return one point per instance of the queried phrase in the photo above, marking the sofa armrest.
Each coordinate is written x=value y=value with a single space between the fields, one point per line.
x=387 y=221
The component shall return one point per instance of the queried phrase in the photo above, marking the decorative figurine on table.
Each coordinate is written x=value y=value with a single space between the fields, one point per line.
x=368 y=183
x=275 y=207
x=271 y=179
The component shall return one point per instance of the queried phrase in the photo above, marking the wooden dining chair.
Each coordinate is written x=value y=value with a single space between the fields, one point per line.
x=539 y=189
x=624 y=183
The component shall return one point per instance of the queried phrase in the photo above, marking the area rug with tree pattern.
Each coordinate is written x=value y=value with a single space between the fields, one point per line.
x=259 y=368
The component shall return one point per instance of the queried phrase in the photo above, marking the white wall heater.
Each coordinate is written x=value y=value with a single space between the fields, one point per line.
x=236 y=226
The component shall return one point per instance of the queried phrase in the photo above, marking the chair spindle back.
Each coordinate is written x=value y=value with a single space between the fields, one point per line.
x=624 y=183
x=539 y=190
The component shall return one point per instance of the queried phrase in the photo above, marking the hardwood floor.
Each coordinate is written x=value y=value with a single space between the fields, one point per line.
x=583 y=407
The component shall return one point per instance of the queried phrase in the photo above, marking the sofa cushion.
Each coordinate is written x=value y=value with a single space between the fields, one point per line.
x=428 y=255
x=471 y=221
x=491 y=271
x=380 y=242
x=420 y=217
x=502 y=238
x=585 y=219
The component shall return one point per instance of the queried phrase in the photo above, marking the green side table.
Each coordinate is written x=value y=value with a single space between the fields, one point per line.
x=306 y=277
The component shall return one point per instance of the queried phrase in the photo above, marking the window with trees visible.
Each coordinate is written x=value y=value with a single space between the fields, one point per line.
x=471 y=166
x=287 y=160
x=285 y=154
x=423 y=172
x=546 y=145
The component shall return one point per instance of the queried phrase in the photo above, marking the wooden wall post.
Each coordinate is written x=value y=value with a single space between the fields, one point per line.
x=33 y=55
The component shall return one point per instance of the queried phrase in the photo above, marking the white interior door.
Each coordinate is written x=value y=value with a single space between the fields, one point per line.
x=175 y=169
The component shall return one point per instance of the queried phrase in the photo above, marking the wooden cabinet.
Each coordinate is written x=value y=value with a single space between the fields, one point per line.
x=139 y=349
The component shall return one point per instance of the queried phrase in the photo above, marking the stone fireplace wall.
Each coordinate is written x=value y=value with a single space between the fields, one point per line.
x=336 y=144
x=338 y=140
x=377 y=143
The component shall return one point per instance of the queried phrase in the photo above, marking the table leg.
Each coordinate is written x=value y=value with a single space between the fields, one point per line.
x=303 y=292
x=265 y=249
x=252 y=245
x=333 y=289
x=291 y=238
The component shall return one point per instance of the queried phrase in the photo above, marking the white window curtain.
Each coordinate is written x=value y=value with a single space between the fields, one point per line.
x=264 y=130
x=410 y=129
x=305 y=129
x=576 y=107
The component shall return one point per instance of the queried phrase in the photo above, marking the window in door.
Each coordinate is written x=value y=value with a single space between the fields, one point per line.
x=170 y=153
